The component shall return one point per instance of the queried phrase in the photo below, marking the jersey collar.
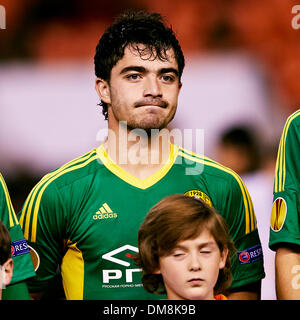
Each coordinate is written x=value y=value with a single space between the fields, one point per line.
x=131 y=179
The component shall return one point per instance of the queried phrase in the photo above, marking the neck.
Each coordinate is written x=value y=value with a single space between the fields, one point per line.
x=174 y=296
x=137 y=151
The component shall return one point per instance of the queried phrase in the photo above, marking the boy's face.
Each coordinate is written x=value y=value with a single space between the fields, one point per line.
x=191 y=270
x=6 y=272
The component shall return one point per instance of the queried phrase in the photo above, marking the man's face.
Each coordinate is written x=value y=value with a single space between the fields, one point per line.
x=141 y=91
x=191 y=270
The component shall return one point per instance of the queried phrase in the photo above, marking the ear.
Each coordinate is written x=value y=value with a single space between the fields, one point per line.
x=223 y=258
x=7 y=270
x=157 y=271
x=103 y=90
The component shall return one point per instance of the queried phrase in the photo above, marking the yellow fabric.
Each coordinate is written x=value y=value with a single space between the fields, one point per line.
x=72 y=270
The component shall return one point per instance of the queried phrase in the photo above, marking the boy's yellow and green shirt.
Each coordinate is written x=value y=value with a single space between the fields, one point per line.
x=285 y=216
x=23 y=267
x=85 y=215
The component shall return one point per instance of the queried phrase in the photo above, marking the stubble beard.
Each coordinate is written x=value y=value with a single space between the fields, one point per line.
x=152 y=120
x=143 y=119
x=147 y=124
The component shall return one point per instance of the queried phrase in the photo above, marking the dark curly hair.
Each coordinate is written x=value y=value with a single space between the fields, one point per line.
x=177 y=218
x=132 y=28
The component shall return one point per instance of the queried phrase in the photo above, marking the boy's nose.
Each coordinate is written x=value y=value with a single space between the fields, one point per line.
x=195 y=263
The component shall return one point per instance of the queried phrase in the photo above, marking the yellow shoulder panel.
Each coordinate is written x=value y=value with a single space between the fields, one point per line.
x=12 y=215
x=34 y=198
x=250 y=219
x=280 y=170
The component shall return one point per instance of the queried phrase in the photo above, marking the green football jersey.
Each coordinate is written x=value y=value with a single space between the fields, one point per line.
x=23 y=267
x=85 y=217
x=285 y=216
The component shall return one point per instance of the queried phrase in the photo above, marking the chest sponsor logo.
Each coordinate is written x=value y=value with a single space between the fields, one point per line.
x=200 y=195
x=123 y=273
x=105 y=212
x=278 y=214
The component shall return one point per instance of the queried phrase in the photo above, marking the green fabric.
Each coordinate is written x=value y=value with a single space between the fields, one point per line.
x=18 y=291
x=100 y=213
x=23 y=268
x=286 y=195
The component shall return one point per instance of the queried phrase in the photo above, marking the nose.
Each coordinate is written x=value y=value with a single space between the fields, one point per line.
x=152 y=87
x=195 y=262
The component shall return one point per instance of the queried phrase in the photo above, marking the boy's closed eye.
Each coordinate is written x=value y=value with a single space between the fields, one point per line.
x=205 y=252
x=178 y=253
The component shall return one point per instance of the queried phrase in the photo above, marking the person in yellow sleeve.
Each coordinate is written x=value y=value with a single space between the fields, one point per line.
x=285 y=215
x=23 y=267
x=6 y=262
x=185 y=250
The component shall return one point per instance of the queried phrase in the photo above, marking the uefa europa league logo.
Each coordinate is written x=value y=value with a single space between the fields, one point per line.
x=2 y=18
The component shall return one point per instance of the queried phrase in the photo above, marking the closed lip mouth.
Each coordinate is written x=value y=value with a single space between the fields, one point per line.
x=160 y=104
x=150 y=105
x=196 y=280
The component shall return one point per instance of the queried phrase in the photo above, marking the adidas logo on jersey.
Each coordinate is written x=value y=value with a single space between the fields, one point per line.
x=104 y=212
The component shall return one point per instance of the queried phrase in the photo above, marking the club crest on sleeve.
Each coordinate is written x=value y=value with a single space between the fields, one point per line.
x=278 y=215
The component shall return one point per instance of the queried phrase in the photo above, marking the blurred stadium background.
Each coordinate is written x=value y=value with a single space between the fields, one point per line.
x=242 y=69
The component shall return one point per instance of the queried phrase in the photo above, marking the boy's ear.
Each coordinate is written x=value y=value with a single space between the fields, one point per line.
x=157 y=271
x=103 y=90
x=224 y=255
x=7 y=271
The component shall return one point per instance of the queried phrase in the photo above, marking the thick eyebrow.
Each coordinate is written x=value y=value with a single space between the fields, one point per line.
x=133 y=68
x=144 y=70
x=169 y=70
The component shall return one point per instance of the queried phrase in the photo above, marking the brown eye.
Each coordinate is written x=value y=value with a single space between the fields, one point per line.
x=167 y=78
x=133 y=76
